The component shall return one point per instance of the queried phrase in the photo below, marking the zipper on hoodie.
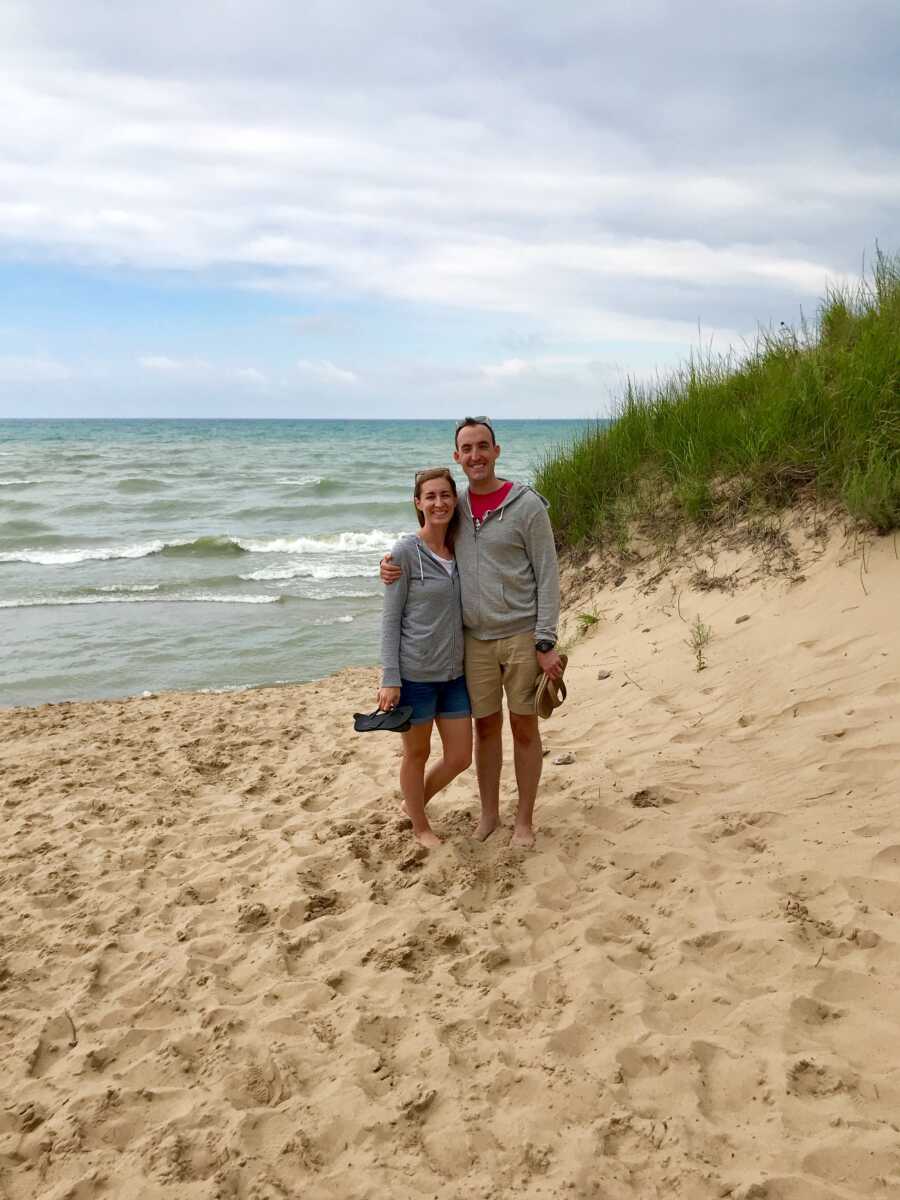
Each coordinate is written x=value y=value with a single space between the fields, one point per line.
x=477 y=529
x=452 y=580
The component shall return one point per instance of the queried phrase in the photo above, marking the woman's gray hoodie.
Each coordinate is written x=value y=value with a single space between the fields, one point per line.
x=421 y=622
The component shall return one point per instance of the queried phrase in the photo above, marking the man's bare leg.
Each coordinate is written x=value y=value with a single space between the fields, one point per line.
x=529 y=762
x=488 y=761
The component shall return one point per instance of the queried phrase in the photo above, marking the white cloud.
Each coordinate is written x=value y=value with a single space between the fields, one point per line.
x=606 y=175
x=327 y=372
x=25 y=369
x=201 y=368
x=159 y=362
x=252 y=376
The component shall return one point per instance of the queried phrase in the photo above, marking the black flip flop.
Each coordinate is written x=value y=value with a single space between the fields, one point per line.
x=395 y=720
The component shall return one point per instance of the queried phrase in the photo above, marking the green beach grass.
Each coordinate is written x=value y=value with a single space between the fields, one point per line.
x=814 y=409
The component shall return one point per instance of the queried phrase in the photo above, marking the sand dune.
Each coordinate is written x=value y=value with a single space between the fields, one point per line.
x=227 y=971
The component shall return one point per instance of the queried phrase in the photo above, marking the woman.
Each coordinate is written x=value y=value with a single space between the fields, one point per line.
x=422 y=649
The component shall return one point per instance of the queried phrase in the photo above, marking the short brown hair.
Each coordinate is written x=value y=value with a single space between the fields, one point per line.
x=466 y=421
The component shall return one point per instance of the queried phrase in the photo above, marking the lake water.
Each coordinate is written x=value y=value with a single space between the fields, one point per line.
x=154 y=555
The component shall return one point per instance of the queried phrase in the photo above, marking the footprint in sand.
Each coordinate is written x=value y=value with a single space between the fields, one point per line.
x=807 y=1011
x=887 y=861
x=811 y=1080
x=57 y=1038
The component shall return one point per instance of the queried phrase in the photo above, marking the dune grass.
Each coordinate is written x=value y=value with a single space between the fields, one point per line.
x=816 y=407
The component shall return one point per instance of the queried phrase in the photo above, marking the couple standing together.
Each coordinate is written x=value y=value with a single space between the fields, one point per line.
x=471 y=612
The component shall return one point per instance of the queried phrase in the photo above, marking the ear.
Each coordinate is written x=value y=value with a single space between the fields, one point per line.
x=456 y=456
x=496 y=451
x=417 y=502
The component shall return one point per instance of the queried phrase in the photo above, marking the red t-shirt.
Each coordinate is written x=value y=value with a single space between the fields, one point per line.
x=482 y=505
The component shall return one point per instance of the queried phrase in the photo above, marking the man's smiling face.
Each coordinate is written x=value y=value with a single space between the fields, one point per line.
x=477 y=452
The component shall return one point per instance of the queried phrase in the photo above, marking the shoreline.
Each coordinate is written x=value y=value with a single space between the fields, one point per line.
x=228 y=969
x=171 y=692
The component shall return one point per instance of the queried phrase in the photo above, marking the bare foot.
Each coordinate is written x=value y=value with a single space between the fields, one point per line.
x=523 y=835
x=486 y=827
x=429 y=839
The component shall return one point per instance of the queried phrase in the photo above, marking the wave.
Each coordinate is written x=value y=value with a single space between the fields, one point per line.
x=345 y=620
x=318 y=571
x=370 y=509
x=63 y=601
x=212 y=545
x=19 y=505
x=88 y=507
x=126 y=587
x=337 y=543
x=67 y=558
x=218 y=546
x=316 y=485
x=138 y=485
x=20 y=482
x=165 y=506
x=337 y=594
x=13 y=528
x=290 y=512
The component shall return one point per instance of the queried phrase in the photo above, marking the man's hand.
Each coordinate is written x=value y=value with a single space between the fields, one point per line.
x=550 y=664
x=389 y=572
x=388 y=698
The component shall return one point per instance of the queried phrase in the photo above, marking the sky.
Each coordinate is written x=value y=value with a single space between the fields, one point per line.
x=361 y=208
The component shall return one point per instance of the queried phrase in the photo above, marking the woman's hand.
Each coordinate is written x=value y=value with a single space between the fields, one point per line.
x=388 y=698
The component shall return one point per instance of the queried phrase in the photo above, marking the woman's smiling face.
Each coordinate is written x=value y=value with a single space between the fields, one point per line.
x=436 y=501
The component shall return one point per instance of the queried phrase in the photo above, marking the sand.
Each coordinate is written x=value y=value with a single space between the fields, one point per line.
x=227 y=971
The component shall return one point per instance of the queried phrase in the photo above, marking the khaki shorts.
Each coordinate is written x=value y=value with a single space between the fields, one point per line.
x=504 y=664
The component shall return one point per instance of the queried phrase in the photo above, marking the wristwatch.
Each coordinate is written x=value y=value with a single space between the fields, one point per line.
x=544 y=647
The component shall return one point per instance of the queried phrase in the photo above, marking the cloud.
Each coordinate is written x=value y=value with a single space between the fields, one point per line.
x=200 y=368
x=24 y=369
x=159 y=362
x=602 y=177
x=327 y=372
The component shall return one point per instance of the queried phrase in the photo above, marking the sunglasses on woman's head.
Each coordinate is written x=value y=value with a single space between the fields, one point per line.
x=435 y=472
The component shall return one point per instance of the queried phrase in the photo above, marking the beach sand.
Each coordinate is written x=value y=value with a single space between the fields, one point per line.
x=226 y=970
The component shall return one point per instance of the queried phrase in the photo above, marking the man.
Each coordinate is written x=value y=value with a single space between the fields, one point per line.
x=509 y=579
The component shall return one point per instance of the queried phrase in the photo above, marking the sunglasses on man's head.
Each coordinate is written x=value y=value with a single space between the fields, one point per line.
x=475 y=421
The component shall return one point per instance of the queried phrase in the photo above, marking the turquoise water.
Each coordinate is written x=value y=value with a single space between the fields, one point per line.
x=152 y=555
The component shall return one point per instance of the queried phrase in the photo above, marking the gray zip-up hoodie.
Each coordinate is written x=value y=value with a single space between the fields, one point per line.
x=421 y=622
x=508 y=568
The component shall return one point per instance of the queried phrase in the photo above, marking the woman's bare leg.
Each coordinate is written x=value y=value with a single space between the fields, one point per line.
x=456 y=739
x=416 y=746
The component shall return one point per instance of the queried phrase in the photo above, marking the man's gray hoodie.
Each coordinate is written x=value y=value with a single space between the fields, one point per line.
x=421 y=622
x=508 y=568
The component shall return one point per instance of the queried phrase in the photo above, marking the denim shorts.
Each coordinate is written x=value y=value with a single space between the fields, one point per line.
x=429 y=700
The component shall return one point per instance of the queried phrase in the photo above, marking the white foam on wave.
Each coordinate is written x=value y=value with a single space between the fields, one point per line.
x=19 y=482
x=322 y=571
x=61 y=601
x=316 y=570
x=334 y=620
x=303 y=481
x=65 y=558
x=129 y=587
x=337 y=594
x=339 y=543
